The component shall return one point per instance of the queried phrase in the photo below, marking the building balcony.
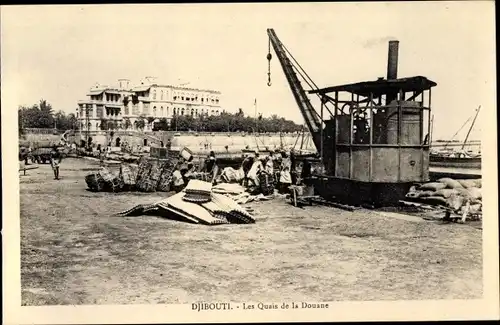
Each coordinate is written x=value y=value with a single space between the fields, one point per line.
x=101 y=102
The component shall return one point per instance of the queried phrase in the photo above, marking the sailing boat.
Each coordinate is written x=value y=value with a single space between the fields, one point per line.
x=457 y=158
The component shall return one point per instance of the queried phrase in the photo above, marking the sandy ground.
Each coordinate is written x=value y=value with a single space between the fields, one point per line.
x=75 y=252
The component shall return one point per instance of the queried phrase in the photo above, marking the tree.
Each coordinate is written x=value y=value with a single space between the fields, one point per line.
x=45 y=118
x=126 y=123
x=140 y=124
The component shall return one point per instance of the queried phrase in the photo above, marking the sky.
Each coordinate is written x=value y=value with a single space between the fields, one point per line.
x=59 y=52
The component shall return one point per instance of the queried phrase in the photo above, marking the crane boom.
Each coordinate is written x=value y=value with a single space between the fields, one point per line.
x=308 y=113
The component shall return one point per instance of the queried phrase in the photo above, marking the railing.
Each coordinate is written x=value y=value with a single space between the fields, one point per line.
x=42 y=131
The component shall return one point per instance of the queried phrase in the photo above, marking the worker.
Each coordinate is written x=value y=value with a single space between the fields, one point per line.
x=269 y=165
x=211 y=167
x=257 y=168
x=306 y=172
x=177 y=180
x=285 y=176
x=246 y=165
x=293 y=167
x=190 y=172
x=55 y=161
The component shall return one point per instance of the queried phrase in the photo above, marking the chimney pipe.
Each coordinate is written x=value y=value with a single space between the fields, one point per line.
x=392 y=60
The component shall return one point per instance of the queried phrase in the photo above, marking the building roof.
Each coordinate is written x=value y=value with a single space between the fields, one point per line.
x=141 y=88
x=382 y=86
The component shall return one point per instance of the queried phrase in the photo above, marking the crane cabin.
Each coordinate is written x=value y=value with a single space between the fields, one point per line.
x=373 y=137
x=377 y=143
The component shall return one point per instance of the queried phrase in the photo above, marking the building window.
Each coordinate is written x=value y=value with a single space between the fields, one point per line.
x=154 y=110
x=161 y=95
x=161 y=111
x=168 y=111
x=154 y=94
x=175 y=111
x=182 y=111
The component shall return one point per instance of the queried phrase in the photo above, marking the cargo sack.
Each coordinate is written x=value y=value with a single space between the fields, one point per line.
x=433 y=186
x=439 y=200
x=467 y=183
x=445 y=192
x=450 y=183
x=426 y=193
x=456 y=202
x=475 y=193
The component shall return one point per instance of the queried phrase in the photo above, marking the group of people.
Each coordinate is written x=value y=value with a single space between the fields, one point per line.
x=264 y=173
x=185 y=170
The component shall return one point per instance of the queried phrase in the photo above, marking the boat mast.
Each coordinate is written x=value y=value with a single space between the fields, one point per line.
x=470 y=129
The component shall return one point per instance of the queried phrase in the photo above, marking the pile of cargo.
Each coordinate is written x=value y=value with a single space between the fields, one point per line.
x=197 y=203
x=457 y=196
x=151 y=175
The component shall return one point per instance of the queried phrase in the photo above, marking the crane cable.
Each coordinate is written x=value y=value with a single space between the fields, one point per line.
x=269 y=57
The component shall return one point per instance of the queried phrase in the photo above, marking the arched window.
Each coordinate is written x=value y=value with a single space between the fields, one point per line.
x=154 y=110
x=182 y=111
x=192 y=111
x=161 y=111
x=154 y=94
x=161 y=95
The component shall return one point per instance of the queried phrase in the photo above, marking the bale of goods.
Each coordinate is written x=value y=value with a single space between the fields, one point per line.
x=128 y=175
x=450 y=183
x=148 y=175
x=433 y=186
x=112 y=181
x=166 y=175
x=95 y=182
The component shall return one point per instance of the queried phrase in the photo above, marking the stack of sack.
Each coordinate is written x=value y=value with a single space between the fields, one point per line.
x=219 y=209
x=450 y=193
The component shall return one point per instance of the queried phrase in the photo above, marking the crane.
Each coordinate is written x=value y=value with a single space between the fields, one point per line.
x=313 y=121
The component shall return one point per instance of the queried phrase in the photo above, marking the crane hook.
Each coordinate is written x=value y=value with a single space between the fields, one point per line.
x=269 y=57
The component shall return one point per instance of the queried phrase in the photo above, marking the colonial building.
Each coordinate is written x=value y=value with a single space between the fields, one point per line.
x=125 y=105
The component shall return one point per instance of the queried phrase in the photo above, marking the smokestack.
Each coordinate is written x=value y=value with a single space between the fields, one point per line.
x=392 y=60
